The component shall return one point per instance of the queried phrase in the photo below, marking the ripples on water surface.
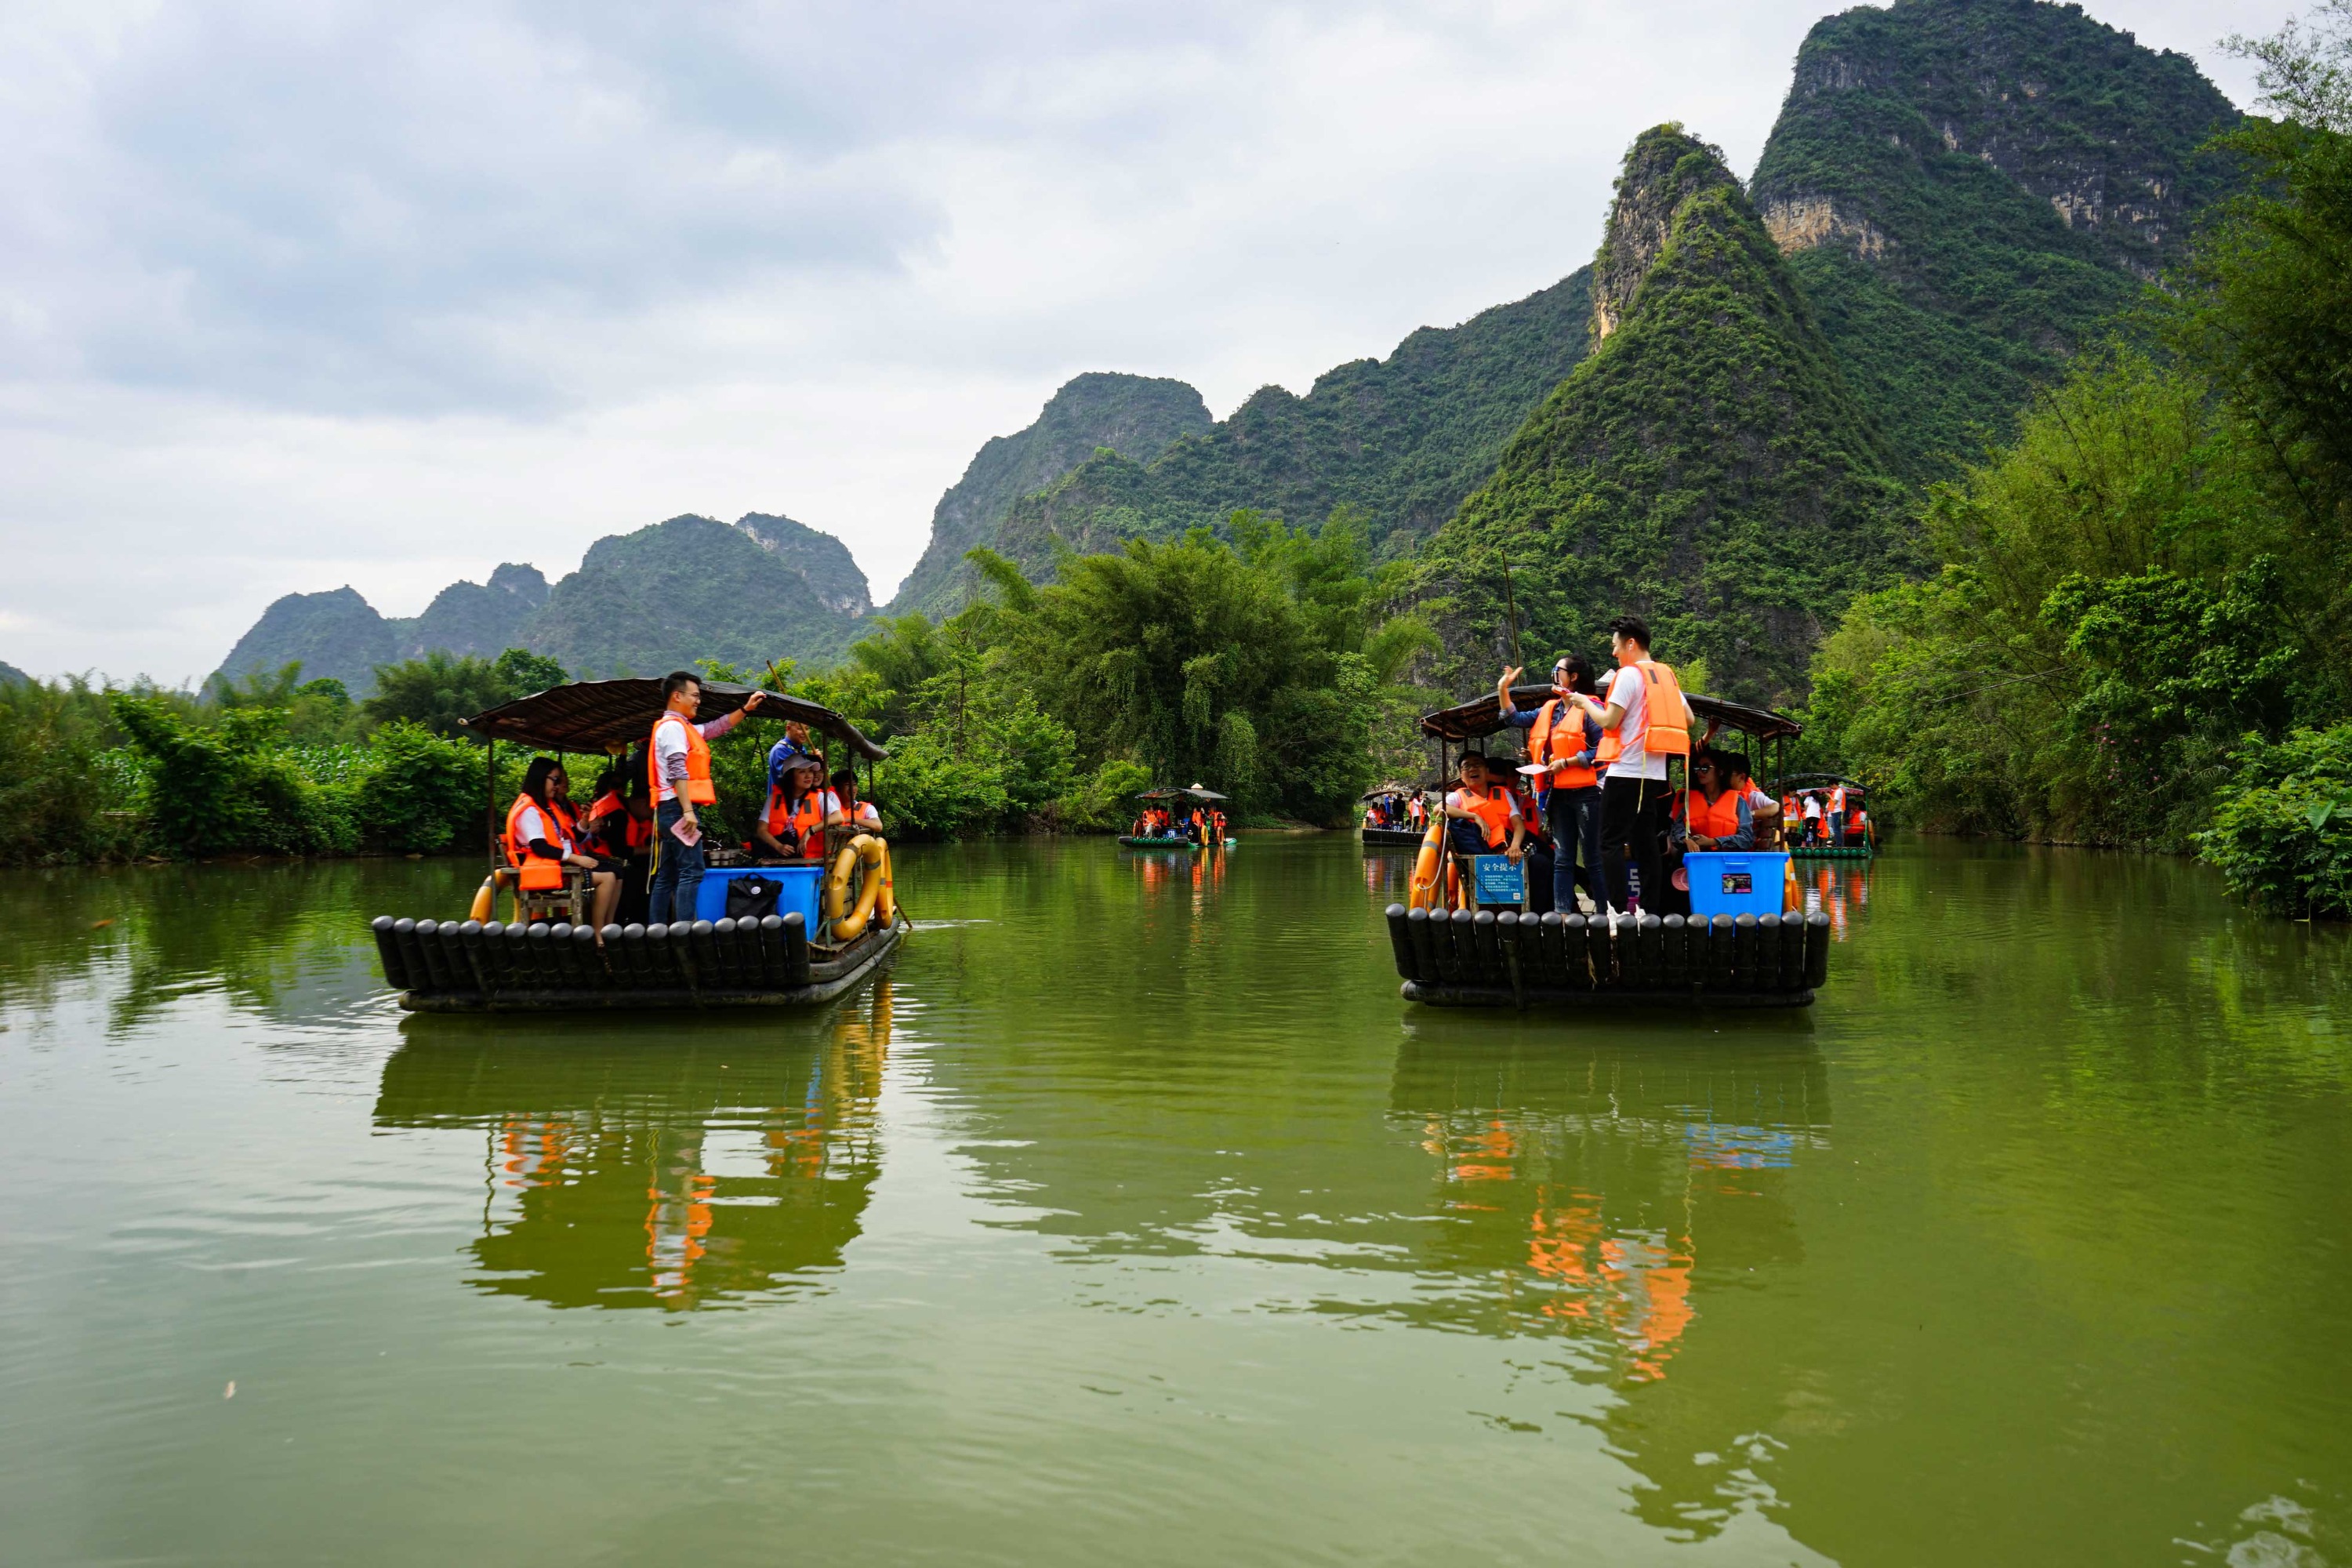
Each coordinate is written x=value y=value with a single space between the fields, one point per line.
x=1134 y=1219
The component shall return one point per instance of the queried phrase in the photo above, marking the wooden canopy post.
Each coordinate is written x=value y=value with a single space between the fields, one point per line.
x=491 y=799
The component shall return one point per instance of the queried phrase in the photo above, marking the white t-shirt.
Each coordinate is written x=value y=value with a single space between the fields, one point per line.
x=1634 y=759
x=669 y=743
x=865 y=815
x=1812 y=807
x=532 y=825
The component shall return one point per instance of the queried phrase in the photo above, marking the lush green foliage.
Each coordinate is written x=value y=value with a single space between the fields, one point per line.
x=1706 y=467
x=2140 y=635
x=2282 y=833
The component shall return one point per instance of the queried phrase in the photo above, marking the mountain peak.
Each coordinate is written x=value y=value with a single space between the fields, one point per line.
x=1665 y=166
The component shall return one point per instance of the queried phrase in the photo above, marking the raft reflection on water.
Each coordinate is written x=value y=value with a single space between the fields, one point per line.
x=628 y=1172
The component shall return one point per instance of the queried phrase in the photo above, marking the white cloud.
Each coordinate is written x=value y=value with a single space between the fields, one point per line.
x=297 y=294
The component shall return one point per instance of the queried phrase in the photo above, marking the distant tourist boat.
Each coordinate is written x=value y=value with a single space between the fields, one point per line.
x=813 y=939
x=1175 y=840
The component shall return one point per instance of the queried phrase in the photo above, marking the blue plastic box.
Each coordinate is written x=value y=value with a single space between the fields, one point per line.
x=1736 y=881
x=801 y=885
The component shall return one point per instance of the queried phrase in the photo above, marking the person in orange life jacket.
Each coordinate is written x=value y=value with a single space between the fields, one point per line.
x=858 y=814
x=1503 y=771
x=1720 y=817
x=1570 y=795
x=1216 y=826
x=1857 y=821
x=677 y=766
x=622 y=825
x=1762 y=809
x=1644 y=722
x=799 y=809
x=543 y=839
x=1481 y=816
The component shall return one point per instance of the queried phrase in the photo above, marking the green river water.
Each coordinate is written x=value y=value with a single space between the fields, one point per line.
x=1134 y=1219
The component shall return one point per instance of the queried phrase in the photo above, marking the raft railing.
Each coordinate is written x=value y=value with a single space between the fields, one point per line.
x=1508 y=959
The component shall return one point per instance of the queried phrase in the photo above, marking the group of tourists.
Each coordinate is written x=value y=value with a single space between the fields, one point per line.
x=640 y=844
x=1592 y=811
x=1203 y=824
x=1834 y=817
x=1395 y=810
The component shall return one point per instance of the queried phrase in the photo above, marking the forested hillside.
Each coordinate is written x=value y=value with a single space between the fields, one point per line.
x=1136 y=416
x=692 y=587
x=810 y=597
x=1706 y=467
x=1968 y=192
x=1401 y=440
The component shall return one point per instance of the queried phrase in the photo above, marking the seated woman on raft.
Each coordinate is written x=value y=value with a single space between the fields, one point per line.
x=861 y=813
x=543 y=840
x=800 y=808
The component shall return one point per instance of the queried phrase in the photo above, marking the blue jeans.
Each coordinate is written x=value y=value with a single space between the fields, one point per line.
x=677 y=869
x=1573 y=816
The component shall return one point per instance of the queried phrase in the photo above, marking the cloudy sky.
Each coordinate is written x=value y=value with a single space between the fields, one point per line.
x=306 y=293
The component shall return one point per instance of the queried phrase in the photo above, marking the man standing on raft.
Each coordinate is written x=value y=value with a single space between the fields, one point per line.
x=1633 y=794
x=679 y=767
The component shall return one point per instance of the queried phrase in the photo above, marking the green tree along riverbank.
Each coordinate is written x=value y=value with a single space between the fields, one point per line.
x=1262 y=665
x=2138 y=634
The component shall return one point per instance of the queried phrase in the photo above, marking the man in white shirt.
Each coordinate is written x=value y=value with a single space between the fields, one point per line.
x=681 y=769
x=1633 y=796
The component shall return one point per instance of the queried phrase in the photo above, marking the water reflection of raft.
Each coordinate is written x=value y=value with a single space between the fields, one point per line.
x=1506 y=959
x=471 y=966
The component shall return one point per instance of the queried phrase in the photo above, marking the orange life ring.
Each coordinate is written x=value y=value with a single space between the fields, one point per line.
x=1423 y=894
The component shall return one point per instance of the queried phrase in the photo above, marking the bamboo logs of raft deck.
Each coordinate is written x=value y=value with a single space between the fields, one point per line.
x=1457 y=959
x=1832 y=851
x=472 y=966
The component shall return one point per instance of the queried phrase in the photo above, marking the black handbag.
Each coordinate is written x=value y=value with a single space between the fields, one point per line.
x=753 y=897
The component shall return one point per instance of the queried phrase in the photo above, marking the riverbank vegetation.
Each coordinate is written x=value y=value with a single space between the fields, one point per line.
x=1260 y=663
x=2138 y=634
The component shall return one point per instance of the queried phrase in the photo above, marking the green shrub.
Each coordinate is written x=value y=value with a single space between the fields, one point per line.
x=2282 y=836
x=423 y=794
x=1105 y=801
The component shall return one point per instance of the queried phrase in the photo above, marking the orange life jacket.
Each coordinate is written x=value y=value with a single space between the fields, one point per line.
x=540 y=874
x=610 y=806
x=863 y=815
x=1717 y=818
x=697 y=788
x=1552 y=740
x=1493 y=808
x=1661 y=691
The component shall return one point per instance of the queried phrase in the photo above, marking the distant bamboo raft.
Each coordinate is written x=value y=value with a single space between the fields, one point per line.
x=1513 y=960
x=1392 y=838
x=474 y=966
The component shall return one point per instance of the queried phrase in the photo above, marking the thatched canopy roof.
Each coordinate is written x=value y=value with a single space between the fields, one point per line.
x=1474 y=721
x=609 y=715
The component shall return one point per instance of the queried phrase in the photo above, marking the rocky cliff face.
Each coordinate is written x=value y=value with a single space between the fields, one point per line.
x=1134 y=416
x=822 y=561
x=1707 y=467
x=1969 y=190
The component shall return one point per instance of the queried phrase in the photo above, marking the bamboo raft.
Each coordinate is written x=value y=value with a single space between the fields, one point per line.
x=1508 y=959
x=476 y=966
x=1392 y=838
x=1832 y=851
